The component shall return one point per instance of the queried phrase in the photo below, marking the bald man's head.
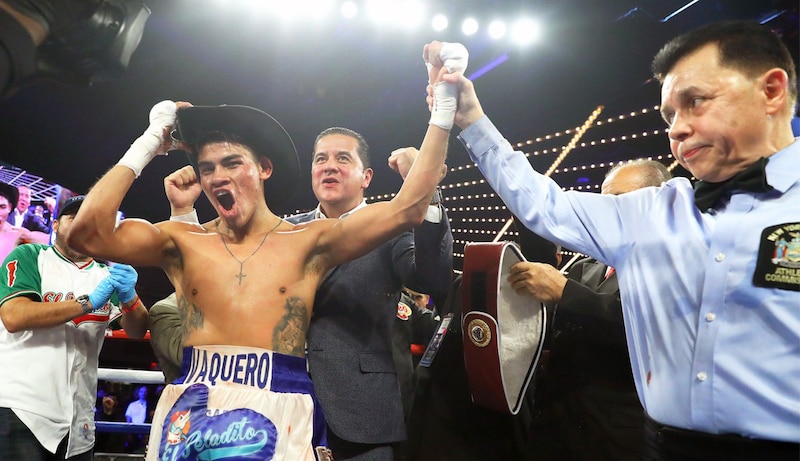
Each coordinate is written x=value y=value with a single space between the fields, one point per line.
x=633 y=175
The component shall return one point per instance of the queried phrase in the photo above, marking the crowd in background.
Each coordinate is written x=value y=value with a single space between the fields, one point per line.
x=124 y=402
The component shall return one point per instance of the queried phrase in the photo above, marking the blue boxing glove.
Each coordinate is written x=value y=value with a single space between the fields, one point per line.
x=124 y=278
x=101 y=294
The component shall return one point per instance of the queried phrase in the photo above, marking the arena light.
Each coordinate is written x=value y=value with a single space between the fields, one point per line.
x=409 y=14
x=349 y=9
x=497 y=29
x=679 y=11
x=439 y=22
x=469 y=26
x=404 y=14
x=379 y=11
x=255 y=9
x=386 y=14
x=303 y=9
x=525 y=31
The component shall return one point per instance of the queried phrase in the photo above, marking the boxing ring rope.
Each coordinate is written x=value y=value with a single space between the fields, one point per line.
x=125 y=428
x=116 y=456
x=130 y=376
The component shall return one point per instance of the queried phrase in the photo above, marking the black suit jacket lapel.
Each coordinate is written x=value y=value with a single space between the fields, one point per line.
x=593 y=274
x=609 y=286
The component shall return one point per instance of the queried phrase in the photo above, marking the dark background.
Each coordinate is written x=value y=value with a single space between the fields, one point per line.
x=312 y=75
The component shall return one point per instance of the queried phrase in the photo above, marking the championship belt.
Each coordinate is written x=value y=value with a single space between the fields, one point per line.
x=503 y=332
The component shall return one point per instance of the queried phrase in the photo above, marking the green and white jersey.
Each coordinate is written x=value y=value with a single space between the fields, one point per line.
x=49 y=376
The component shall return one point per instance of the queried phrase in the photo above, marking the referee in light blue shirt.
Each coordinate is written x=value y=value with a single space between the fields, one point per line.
x=710 y=290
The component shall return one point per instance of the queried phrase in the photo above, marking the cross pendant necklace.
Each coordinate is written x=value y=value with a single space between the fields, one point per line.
x=241 y=274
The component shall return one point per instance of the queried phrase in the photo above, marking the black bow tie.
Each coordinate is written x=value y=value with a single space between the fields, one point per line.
x=753 y=179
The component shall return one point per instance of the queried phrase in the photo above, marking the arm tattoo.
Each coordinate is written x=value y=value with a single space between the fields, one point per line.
x=289 y=336
x=191 y=317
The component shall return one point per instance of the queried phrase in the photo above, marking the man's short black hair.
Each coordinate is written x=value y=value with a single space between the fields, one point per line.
x=213 y=137
x=362 y=149
x=748 y=47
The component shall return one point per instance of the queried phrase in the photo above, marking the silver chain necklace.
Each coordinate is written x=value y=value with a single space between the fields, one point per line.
x=241 y=275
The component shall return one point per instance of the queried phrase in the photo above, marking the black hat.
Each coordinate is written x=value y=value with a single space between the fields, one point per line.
x=70 y=205
x=10 y=192
x=259 y=130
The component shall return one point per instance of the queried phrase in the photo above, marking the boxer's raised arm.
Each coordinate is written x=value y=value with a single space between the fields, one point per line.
x=364 y=230
x=95 y=231
x=445 y=64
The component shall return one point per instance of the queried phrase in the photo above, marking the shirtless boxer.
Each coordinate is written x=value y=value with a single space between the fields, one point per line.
x=245 y=391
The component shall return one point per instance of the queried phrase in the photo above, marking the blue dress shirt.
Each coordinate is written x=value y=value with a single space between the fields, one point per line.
x=710 y=351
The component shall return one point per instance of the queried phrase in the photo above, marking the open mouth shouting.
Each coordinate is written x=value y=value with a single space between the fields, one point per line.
x=225 y=199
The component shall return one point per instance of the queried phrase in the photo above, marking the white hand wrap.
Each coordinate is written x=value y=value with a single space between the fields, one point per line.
x=445 y=103
x=190 y=217
x=148 y=145
x=455 y=58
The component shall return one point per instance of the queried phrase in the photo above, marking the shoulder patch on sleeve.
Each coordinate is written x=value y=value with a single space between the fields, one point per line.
x=778 y=264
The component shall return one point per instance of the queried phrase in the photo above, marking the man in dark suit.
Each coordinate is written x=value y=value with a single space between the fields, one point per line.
x=586 y=403
x=350 y=337
x=22 y=216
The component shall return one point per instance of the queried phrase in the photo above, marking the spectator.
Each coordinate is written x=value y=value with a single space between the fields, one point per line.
x=25 y=218
x=54 y=310
x=137 y=409
x=137 y=412
x=109 y=442
x=10 y=236
x=414 y=325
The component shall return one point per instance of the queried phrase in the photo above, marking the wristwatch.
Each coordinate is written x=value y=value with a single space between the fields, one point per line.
x=83 y=300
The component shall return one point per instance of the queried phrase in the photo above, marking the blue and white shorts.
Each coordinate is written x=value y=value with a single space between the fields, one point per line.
x=238 y=403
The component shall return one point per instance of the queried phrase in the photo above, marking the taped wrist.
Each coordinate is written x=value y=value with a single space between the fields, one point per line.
x=445 y=103
x=454 y=57
x=148 y=145
x=190 y=217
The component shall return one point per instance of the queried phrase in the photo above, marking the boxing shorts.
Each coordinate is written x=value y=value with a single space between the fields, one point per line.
x=238 y=403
